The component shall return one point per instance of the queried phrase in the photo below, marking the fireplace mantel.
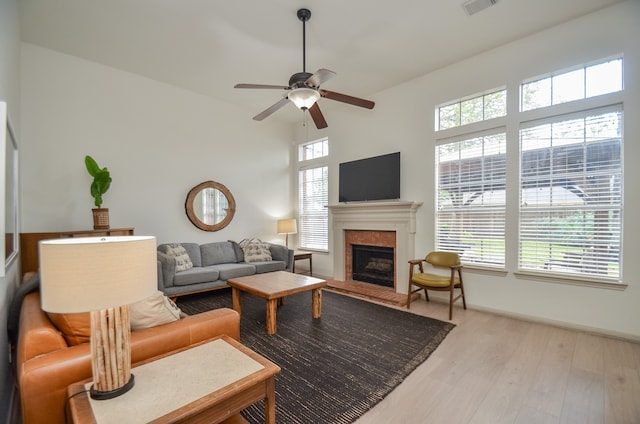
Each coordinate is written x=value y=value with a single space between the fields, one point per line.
x=398 y=216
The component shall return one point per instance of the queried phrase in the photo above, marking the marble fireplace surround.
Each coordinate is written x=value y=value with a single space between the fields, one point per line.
x=397 y=216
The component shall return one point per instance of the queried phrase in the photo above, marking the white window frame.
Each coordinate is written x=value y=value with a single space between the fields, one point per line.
x=513 y=122
x=460 y=103
x=313 y=226
x=470 y=239
x=574 y=252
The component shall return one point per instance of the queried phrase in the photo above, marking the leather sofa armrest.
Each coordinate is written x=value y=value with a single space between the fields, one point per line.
x=37 y=334
x=168 y=266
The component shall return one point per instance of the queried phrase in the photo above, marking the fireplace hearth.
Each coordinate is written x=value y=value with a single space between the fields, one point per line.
x=373 y=264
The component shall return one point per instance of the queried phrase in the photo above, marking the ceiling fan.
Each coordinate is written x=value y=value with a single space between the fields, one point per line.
x=304 y=88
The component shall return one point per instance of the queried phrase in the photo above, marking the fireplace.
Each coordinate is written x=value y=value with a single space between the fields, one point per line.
x=389 y=224
x=373 y=264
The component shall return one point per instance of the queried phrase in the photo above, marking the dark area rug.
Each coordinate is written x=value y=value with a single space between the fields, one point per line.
x=334 y=368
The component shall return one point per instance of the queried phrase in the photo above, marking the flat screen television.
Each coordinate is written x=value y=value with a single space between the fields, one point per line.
x=374 y=178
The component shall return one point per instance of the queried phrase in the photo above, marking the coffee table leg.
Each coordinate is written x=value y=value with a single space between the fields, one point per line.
x=317 y=302
x=235 y=297
x=272 y=305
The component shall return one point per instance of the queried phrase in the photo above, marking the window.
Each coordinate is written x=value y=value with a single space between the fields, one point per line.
x=563 y=198
x=313 y=195
x=475 y=109
x=471 y=181
x=582 y=83
x=313 y=150
x=570 y=195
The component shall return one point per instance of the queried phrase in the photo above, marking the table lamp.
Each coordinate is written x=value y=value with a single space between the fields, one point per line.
x=102 y=276
x=287 y=226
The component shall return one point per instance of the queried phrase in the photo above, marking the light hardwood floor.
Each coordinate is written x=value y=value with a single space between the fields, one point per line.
x=492 y=369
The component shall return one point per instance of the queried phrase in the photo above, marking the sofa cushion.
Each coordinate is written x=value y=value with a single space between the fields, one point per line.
x=217 y=253
x=279 y=252
x=200 y=274
x=255 y=250
x=234 y=270
x=193 y=250
x=270 y=266
x=75 y=328
x=183 y=261
x=154 y=310
x=238 y=250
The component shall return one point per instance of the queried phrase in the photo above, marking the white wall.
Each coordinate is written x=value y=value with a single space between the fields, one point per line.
x=403 y=120
x=9 y=93
x=158 y=142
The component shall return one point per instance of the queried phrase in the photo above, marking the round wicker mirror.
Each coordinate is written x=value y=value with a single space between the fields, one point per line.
x=210 y=206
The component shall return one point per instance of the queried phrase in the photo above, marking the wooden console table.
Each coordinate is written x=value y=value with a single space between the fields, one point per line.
x=29 y=243
x=207 y=383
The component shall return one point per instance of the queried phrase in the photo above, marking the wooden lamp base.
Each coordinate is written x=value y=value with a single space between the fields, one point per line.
x=111 y=353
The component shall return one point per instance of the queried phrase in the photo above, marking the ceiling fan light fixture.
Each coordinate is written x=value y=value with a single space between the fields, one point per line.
x=303 y=97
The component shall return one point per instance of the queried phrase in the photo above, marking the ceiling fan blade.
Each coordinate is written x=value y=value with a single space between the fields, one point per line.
x=278 y=105
x=320 y=77
x=317 y=116
x=332 y=95
x=278 y=87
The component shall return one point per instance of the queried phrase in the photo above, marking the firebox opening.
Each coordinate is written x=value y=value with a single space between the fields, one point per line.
x=373 y=264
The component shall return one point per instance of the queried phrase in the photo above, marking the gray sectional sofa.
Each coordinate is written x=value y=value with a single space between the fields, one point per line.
x=212 y=265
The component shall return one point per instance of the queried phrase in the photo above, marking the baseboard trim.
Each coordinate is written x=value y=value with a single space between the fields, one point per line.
x=561 y=324
x=537 y=319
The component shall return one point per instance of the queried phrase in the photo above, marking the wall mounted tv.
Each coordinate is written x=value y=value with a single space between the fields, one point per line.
x=375 y=178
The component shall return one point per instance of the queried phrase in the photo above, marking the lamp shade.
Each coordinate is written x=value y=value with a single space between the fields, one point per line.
x=304 y=98
x=94 y=273
x=287 y=226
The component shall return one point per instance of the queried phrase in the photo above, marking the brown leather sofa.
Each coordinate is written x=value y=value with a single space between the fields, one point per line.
x=46 y=365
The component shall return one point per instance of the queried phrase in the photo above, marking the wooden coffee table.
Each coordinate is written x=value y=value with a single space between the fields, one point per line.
x=273 y=287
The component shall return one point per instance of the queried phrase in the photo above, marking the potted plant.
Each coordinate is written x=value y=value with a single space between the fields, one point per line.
x=99 y=186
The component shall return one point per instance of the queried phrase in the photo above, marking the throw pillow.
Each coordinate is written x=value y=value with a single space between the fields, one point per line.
x=155 y=310
x=183 y=261
x=255 y=250
x=75 y=328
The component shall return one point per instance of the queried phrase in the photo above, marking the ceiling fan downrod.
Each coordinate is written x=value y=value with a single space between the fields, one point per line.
x=304 y=15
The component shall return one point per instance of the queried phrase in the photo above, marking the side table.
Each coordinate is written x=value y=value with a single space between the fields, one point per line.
x=210 y=382
x=301 y=256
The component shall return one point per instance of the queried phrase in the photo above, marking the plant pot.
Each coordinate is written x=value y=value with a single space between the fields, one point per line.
x=100 y=218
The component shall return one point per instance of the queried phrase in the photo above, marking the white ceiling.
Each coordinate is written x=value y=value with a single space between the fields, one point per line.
x=209 y=46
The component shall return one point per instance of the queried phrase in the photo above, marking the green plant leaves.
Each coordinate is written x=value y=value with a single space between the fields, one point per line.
x=101 y=180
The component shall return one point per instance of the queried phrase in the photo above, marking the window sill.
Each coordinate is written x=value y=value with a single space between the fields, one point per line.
x=478 y=269
x=306 y=249
x=570 y=280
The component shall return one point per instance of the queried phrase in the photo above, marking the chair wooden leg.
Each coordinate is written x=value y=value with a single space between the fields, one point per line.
x=451 y=304
x=409 y=298
x=464 y=302
x=426 y=295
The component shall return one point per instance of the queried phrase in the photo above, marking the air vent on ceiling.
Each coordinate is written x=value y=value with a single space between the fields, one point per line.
x=475 y=6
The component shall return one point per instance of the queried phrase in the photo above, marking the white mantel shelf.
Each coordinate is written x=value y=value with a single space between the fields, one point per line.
x=398 y=216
